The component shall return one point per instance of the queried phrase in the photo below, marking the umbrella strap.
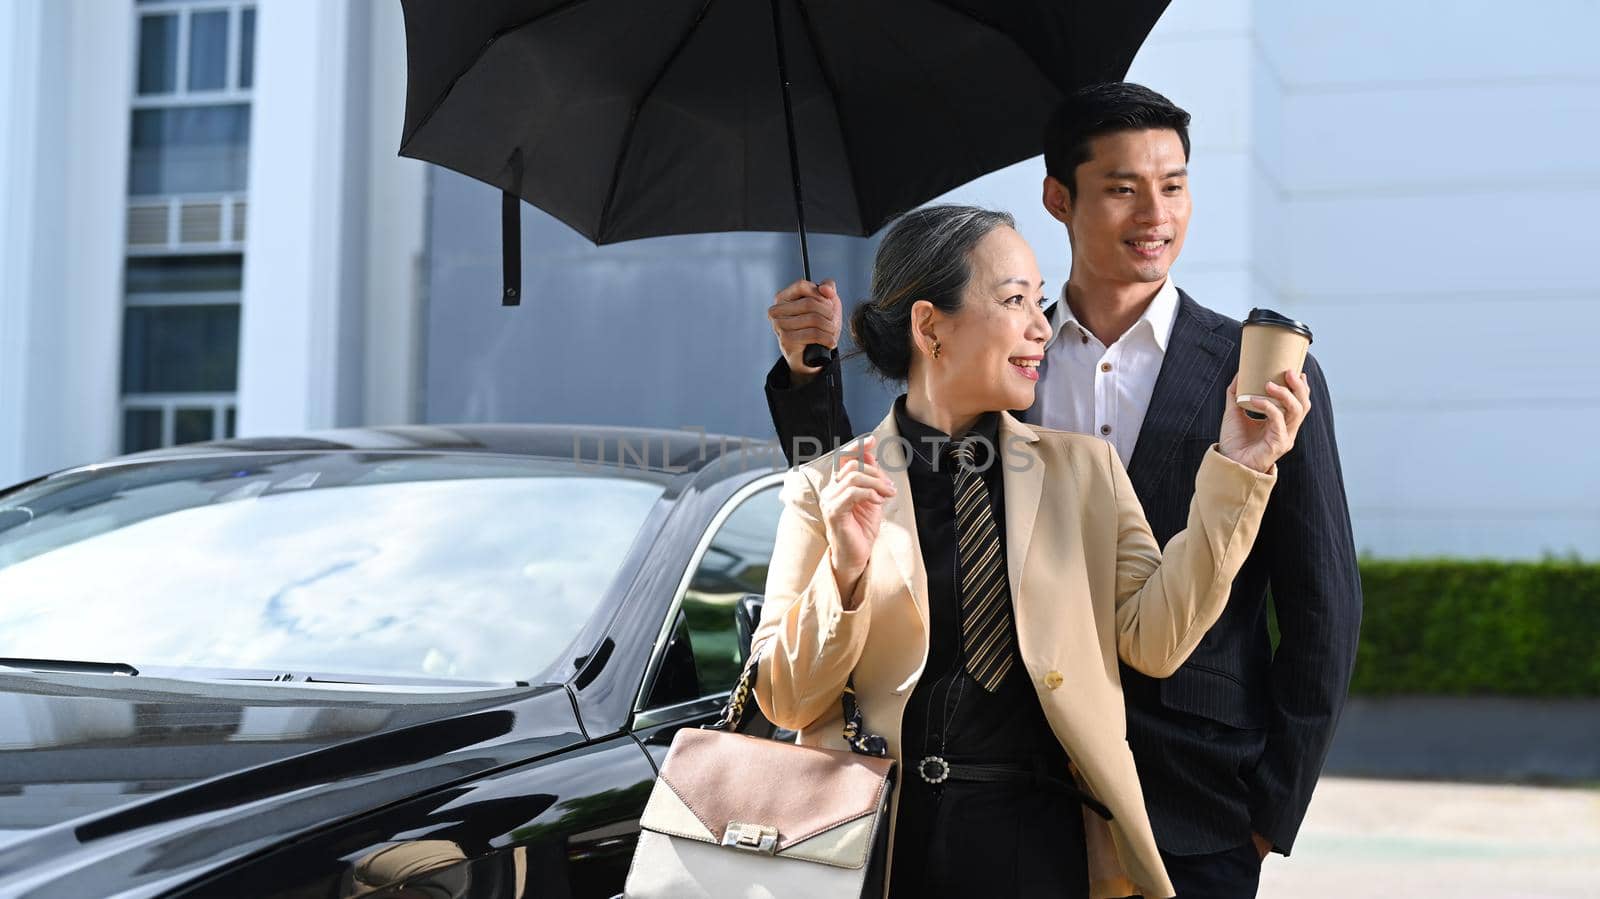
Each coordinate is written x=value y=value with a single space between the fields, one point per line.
x=511 y=235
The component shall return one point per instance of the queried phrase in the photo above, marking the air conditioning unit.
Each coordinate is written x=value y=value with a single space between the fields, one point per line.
x=186 y=223
x=200 y=222
x=148 y=224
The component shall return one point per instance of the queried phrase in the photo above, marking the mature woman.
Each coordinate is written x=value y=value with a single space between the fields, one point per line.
x=980 y=579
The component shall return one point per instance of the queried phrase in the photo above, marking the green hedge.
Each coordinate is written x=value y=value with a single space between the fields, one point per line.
x=1452 y=627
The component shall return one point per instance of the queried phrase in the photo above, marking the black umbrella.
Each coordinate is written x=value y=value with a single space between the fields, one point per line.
x=628 y=119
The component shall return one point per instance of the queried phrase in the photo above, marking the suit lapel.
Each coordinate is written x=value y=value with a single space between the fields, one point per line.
x=1022 y=473
x=1194 y=361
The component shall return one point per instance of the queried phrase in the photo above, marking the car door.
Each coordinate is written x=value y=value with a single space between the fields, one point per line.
x=698 y=656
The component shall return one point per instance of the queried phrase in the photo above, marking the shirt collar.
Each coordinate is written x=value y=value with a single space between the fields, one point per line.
x=1159 y=315
x=927 y=441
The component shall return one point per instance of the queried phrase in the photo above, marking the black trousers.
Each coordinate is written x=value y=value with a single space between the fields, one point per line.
x=995 y=841
x=1233 y=874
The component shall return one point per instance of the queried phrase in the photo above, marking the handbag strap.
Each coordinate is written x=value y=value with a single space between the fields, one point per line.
x=737 y=710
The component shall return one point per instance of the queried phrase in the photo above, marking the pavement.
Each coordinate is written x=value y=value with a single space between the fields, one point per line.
x=1376 y=838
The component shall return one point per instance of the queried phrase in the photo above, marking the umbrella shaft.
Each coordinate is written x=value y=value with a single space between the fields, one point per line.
x=794 y=147
x=815 y=354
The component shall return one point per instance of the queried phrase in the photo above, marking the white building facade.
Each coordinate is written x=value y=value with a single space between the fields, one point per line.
x=197 y=196
x=1408 y=178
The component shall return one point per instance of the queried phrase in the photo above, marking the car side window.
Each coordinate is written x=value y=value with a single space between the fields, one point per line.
x=702 y=657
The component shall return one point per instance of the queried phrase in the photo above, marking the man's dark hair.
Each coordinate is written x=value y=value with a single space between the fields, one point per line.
x=1102 y=109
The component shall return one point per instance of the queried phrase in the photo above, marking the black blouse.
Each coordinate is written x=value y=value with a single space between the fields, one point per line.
x=962 y=839
x=949 y=714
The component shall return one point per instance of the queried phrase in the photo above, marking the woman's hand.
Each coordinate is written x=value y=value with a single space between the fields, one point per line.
x=852 y=510
x=1260 y=444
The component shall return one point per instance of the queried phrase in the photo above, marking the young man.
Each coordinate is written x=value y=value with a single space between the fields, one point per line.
x=1230 y=747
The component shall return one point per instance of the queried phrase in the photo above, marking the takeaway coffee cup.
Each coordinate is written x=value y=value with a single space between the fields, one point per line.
x=1273 y=344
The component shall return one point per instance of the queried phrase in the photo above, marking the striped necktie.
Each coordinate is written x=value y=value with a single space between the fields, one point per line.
x=988 y=640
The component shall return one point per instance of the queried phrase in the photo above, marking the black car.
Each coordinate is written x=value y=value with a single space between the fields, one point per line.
x=401 y=662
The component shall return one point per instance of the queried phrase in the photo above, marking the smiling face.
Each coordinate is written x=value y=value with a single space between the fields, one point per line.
x=989 y=350
x=1131 y=212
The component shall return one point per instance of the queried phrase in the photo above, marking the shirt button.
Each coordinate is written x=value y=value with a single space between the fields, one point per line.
x=1105 y=429
x=1105 y=366
x=1052 y=680
x=1085 y=338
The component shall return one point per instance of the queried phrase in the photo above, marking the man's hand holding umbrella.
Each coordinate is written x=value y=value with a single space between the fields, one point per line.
x=806 y=313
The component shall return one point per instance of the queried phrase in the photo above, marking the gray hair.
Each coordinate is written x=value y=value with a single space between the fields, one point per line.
x=926 y=255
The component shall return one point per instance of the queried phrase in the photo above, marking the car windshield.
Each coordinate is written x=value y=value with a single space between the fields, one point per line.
x=450 y=567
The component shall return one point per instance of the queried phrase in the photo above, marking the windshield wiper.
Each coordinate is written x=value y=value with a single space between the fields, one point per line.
x=71 y=666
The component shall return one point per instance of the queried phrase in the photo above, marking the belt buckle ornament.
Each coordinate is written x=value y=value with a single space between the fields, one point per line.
x=934 y=769
x=759 y=838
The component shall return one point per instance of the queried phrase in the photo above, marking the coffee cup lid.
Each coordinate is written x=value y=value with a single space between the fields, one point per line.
x=1268 y=317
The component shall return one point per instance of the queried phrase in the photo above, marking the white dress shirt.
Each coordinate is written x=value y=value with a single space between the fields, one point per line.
x=1091 y=388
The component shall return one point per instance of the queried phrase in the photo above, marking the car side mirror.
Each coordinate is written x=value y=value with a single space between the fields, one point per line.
x=746 y=615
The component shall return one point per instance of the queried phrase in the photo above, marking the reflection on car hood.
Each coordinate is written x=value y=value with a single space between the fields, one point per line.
x=73 y=746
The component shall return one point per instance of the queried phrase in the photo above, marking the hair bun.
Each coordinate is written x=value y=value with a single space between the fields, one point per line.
x=924 y=255
x=889 y=352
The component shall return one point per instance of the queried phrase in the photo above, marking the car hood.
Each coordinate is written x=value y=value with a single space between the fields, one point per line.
x=80 y=746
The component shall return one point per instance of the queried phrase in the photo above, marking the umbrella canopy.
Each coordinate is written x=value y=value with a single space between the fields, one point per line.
x=628 y=119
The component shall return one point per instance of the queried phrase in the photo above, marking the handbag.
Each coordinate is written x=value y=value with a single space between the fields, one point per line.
x=733 y=815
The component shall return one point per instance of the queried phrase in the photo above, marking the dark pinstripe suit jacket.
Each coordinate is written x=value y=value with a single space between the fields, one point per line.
x=1235 y=740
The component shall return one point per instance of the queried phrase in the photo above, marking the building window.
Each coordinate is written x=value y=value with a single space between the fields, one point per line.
x=189 y=150
x=181 y=349
x=187 y=171
x=158 y=54
x=247 y=48
x=208 y=50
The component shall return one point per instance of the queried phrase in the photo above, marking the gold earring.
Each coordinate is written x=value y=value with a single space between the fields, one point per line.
x=936 y=349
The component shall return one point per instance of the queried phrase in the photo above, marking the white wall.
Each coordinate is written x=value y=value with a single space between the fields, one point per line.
x=396 y=225
x=1437 y=174
x=291 y=326
x=327 y=336
x=21 y=30
x=66 y=69
x=85 y=341
x=332 y=286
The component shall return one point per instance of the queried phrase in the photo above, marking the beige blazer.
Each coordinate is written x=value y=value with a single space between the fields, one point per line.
x=1089 y=585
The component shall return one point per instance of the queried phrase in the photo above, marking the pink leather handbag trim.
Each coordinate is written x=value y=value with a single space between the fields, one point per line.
x=800 y=790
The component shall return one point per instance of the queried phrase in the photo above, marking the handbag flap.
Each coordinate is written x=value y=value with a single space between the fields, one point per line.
x=802 y=791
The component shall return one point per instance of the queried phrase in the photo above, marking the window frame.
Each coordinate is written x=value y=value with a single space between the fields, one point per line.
x=710 y=703
x=169 y=404
x=181 y=95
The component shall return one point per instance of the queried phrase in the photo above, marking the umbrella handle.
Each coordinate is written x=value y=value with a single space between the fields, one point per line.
x=818 y=356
